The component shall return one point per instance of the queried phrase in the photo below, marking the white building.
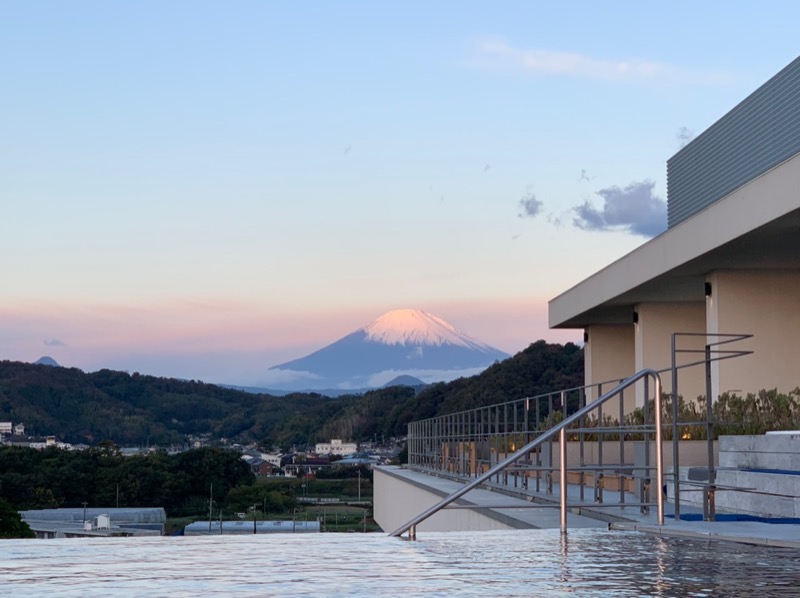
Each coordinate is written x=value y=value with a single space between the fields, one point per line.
x=336 y=447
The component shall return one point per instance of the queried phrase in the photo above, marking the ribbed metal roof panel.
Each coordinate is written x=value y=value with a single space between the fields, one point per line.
x=762 y=131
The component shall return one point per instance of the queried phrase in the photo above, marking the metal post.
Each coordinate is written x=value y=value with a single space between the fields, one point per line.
x=582 y=455
x=620 y=474
x=210 y=503
x=659 y=451
x=562 y=449
x=712 y=474
x=675 y=434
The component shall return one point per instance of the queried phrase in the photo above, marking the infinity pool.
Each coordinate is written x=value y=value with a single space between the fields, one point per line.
x=510 y=563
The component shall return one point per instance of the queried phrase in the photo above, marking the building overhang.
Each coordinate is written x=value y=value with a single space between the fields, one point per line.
x=756 y=227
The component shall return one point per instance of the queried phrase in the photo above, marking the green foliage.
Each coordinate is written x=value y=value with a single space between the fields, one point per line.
x=31 y=479
x=243 y=498
x=541 y=368
x=732 y=415
x=11 y=524
x=138 y=410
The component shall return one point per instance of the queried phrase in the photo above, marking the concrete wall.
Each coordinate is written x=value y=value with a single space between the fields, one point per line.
x=767 y=305
x=770 y=451
x=397 y=500
x=608 y=354
x=653 y=342
x=775 y=494
x=768 y=493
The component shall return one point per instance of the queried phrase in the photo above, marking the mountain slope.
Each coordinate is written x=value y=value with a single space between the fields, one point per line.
x=542 y=367
x=404 y=341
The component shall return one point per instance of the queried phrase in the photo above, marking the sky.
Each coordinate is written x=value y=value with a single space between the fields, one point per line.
x=206 y=189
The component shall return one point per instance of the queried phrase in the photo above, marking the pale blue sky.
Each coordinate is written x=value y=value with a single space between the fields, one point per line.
x=205 y=189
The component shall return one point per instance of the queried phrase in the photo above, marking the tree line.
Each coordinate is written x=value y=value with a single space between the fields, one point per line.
x=181 y=483
x=134 y=409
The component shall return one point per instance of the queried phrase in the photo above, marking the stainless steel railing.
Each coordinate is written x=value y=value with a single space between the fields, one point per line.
x=561 y=428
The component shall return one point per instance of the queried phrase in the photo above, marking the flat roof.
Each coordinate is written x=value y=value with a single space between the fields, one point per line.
x=755 y=227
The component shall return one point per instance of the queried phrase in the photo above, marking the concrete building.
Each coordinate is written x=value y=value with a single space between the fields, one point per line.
x=728 y=263
x=336 y=447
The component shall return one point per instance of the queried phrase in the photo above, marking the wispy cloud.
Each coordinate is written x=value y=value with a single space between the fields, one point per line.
x=529 y=206
x=54 y=342
x=635 y=209
x=684 y=135
x=498 y=52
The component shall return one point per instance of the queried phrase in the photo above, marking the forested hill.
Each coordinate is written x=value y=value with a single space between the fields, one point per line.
x=541 y=368
x=137 y=409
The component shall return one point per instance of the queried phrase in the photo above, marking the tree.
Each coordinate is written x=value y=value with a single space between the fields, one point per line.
x=11 y=524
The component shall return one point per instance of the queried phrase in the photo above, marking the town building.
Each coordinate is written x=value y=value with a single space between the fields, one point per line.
x=95 y=522
x=336 y=447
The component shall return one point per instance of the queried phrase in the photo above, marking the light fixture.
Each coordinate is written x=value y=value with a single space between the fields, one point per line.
x=708 y=289
x=636 y=317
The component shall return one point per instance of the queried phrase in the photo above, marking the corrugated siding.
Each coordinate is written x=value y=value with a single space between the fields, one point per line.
x=758 y=134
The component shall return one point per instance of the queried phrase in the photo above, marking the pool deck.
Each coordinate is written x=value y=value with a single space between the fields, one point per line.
x=745 y=532
x=529 y=509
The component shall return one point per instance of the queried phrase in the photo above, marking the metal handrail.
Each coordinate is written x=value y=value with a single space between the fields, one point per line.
x=560 y=428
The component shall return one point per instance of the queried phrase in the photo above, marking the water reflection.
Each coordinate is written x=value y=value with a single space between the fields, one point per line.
x=518 y=563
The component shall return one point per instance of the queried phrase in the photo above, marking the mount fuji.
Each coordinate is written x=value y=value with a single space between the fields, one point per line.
x=400 y=342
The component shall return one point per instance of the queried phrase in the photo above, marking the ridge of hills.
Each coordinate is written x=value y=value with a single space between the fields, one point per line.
x=137 y=409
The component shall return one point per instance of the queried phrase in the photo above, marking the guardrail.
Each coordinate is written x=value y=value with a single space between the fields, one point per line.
x=561 y=428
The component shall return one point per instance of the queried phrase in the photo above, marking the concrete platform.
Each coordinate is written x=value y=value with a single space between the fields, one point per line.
x=745 y=532
x=401 y=494
x=523 y=509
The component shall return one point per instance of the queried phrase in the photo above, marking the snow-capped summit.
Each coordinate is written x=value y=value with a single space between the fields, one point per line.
x=400 y=342
x=413 y=326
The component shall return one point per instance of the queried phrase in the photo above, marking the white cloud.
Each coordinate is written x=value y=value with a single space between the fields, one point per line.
x=287 y=377
x=498 y=52
x=635 y=209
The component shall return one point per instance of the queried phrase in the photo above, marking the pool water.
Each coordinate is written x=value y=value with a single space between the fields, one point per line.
x=588 y=562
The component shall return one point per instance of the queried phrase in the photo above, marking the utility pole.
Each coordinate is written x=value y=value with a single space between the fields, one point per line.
x=254 y=518
x=84 y=511
x=210 y=503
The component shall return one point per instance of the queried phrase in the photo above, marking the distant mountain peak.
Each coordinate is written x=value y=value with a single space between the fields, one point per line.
x=402 y=341
x=47 y=360
x=417 y=327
